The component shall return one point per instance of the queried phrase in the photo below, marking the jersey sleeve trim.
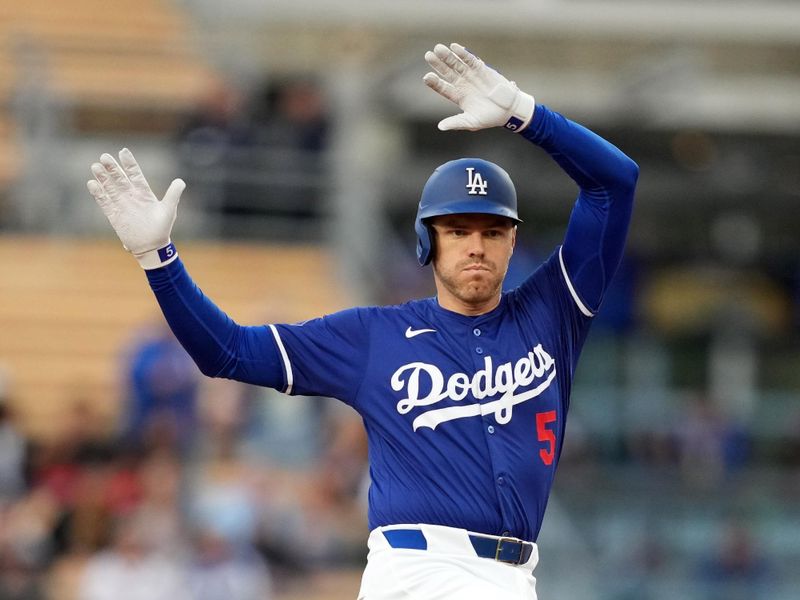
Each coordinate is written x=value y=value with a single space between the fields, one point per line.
x=286 y=364
x=581 y=306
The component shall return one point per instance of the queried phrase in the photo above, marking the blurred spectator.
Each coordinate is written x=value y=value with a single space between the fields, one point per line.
x=619 y=313
x=216 y=147
x=138 y=502
x=225 y=569
x=18 y=580
x=87 y=519
x=224 y=514
x=130 y=570
x=789 y=448
x=88 y=480
x=737 y=570
x=643 y=563
x=345 y=458
x=161 y=506
x=287 y=432
x=322 y=511
x=257 y=154
x=711 y=445
x=263 y=426
x=217 y=124
x=162 y=393
x=25 y=548
x=56 y=464
x=649 y=447
x=292 y=123
x=224 y=418
x=334 y=516
x=222 y=492
x=13 y=455
x=293 y=115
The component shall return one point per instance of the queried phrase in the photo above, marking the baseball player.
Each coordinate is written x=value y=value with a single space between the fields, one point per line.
x=464 y=395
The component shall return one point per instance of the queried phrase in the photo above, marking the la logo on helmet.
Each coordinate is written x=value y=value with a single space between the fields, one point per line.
x=476 y=184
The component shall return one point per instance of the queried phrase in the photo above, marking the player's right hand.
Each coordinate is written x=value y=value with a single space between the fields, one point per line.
x=142 y=221
x=487 y=98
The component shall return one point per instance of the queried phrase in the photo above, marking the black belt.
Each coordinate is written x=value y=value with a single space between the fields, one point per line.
x=501 y=549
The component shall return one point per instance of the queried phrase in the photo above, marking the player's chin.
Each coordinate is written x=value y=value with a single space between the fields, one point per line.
x=478 y=290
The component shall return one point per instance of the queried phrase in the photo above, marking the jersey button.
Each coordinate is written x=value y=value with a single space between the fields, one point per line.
x=506 y=533
x=501 y=480
x=479 y=350
x=490 y=429
x=476 y=331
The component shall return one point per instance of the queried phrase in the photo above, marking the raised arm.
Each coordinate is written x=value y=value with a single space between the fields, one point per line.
x=598 y=226
x=596 y=233
x=219 y=346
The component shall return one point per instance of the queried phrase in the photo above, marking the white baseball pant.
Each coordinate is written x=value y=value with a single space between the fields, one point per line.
x=449 y=569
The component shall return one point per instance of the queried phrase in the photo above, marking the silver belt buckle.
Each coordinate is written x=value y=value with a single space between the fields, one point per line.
x=500 y=549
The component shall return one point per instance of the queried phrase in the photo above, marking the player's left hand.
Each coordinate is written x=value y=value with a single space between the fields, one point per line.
x=487 y=98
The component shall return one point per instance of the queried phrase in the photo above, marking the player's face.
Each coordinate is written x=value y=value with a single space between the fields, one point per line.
x=471 y=260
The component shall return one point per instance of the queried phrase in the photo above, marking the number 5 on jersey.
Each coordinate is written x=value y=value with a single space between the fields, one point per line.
x=546 y=435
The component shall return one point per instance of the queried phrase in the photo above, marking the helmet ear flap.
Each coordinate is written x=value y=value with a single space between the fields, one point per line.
x=431 y=240
x=425 y=240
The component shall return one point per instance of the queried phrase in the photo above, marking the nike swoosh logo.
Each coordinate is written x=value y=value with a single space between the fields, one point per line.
x=410 y=333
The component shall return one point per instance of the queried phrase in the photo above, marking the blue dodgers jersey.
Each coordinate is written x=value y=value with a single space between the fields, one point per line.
x=465 y=416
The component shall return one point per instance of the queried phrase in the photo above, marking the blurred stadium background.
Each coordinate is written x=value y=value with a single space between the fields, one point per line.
x=305 y=135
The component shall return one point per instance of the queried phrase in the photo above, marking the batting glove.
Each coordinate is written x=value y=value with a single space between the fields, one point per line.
x=487 y=98
x=142 y=222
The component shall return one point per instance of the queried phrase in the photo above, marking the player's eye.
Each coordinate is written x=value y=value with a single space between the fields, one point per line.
x=493 y=233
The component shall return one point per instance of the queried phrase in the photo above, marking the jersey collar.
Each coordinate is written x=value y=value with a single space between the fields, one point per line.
x=467 y=319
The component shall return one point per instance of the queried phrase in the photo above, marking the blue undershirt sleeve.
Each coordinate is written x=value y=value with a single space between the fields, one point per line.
x=219 y=346
x=598 y=226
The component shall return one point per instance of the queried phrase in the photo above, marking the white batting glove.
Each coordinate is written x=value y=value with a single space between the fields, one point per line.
x=142 y=222
x=487 y=98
